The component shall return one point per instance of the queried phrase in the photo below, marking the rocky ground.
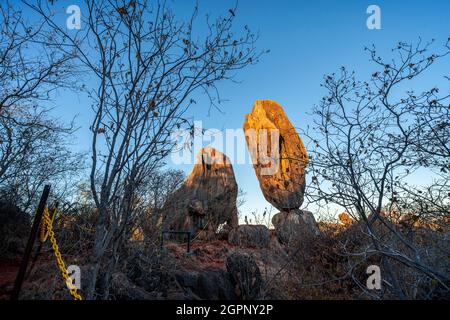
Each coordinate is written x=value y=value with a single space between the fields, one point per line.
x=220 y=270
x=250 y=263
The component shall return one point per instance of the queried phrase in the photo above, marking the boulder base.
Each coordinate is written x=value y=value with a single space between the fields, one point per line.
x=295 y=225
x=250 y=236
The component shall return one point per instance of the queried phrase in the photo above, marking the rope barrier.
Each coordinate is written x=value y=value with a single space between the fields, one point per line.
x=47 y=230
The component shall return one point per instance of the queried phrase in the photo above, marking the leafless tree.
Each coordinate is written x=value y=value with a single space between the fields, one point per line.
x=33 y=146
x=147 y=66
x=29 y=69
x=370 y=138
x=159 y=186
x=34 y=150
x=151 y=197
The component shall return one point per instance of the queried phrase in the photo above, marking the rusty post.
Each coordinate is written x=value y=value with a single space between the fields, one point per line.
x=26 y=256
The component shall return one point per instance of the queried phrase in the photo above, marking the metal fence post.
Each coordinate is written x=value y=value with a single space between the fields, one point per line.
x=189 y=243
x=188 y=233
x=30 y=243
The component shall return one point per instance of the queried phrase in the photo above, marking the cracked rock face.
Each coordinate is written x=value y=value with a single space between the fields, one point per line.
x=257 y=236
x=294 y=225
x=278 y=154
x=245 y=276
x=206 y=199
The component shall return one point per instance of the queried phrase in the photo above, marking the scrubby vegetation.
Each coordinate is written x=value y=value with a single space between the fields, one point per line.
x=370 y=137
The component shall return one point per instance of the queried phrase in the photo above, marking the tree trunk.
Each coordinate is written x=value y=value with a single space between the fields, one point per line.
x=97 y=254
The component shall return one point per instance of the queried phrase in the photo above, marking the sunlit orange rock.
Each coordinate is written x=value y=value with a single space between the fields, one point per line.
x=206 y=199
x=280 y=164
x=345 y=219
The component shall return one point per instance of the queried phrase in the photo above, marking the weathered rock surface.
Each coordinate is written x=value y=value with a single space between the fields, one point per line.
x=123 y=289
x=245 y=275
x=250 y=236
x=283 y=187
x=294 y=225
x=214 y=284
x=206 y=199
x=345 y=219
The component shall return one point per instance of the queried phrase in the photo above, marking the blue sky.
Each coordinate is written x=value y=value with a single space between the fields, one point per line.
x=307 y=39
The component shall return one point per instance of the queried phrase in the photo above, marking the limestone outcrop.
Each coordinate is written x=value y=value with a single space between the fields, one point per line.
x=245 y=276
x=279 y=159
x=280 y=163
x=294 y=225
x=257 y=236
x=206 y=199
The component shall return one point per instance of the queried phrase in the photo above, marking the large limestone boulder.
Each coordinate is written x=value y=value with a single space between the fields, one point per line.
x=206 y=199
x=245 y=276
x=295 y=225
x=210 y=284
x=250 y=236
x=280 y=165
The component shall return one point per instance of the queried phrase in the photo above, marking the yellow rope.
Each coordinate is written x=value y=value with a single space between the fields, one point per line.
x=198 y=233
x=44 y=230
x=203 y=229
x=59 y=260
